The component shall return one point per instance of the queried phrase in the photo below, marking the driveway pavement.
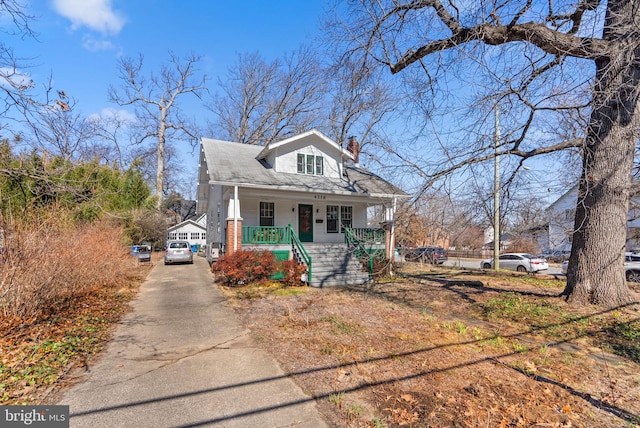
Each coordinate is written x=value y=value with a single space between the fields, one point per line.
x=181 y=358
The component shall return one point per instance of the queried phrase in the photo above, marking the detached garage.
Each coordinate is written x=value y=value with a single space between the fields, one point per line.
x=193 y=231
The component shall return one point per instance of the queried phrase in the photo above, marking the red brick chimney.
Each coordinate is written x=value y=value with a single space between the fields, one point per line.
x=354 y=148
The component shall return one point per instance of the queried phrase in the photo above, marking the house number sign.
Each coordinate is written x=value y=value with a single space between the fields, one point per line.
x=319 y=197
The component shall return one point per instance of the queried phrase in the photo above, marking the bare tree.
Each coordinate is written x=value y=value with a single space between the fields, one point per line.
x=157 y=103
x=361 y=103
x=532 y=57
x=264 y=101
x=59 y=130
x=16 y=86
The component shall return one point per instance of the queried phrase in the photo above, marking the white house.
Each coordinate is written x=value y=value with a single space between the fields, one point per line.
x=194 y=231
x=305 y=191
x=562 y=218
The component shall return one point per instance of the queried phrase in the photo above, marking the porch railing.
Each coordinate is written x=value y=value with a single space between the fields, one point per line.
x=300 y=254
x=278 y=235
x=362 y=241
x=266 y=235
x=368 y=235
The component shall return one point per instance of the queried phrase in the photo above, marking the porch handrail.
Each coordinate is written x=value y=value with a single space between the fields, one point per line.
x=367 y=234
x=271 y=235
x=353 y=239
x=300 y=253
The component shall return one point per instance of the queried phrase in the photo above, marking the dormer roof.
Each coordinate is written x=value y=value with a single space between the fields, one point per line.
x=319 y=138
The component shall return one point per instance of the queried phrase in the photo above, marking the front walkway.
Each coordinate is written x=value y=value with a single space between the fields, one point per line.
x=182 y=358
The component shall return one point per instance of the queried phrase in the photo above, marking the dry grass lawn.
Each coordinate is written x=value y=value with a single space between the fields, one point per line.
x=432 y=348
x=448 y=348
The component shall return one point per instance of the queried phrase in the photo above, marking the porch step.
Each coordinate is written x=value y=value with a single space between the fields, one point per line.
x=335 y=264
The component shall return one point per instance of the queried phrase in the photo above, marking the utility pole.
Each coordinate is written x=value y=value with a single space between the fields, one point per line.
x=496 y=197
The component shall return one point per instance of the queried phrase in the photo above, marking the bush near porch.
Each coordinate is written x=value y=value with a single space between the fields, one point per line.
x=245 y=267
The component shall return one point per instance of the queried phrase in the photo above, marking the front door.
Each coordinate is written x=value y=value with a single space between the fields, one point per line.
x=305 y=223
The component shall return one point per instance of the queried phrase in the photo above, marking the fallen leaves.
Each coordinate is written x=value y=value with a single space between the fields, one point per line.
x=38 y=352
x=411 y=370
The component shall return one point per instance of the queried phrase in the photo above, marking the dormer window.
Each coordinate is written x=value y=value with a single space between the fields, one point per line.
x=310 y=164
x=319 y=165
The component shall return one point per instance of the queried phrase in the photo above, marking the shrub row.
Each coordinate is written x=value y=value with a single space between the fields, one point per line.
x=244 y=267
x=45 y=263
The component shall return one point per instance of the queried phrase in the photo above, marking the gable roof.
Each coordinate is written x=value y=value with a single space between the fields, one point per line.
x=572 y=190
x=236 y=164
x=305 y=135
x=185 y=223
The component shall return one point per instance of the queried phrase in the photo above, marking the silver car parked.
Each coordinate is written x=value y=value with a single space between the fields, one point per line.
x=178 y=252
x=521 y=262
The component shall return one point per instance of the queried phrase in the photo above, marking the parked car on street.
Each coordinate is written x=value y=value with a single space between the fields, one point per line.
x=433 y=255
x=521 y=262
x=178 y=252
x=631 y=267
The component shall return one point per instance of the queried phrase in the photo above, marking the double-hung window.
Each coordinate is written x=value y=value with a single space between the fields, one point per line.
x=319 y=165
x=339 y=217
x=346 y=216
x=266 y=213
x=310 y=164
x=332 y=219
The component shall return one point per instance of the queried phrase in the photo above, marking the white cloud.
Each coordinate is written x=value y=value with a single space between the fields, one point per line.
x=96 y=15
x=94 y=45
x=10 y=77
x=112 y=114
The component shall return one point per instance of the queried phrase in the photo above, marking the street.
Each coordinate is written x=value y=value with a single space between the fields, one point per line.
x=554 y=268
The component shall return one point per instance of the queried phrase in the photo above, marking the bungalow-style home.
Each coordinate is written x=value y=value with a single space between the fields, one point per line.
x=194 y=231
x=562 y=214
x=305 y=198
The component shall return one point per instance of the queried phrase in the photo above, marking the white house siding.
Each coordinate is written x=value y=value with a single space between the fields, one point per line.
x=202 y=220
x=188 y=231
x=286 y=212
x=216 y=219
x=562 y=219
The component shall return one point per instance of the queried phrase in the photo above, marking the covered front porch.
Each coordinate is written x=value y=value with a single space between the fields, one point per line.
x=315 y=217
x=326 y=262
x=335 y=226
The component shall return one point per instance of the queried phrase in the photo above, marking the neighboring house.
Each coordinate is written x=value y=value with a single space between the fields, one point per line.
x=538 y=236
x=562 y=218
x=304 y=194
x=562 y=214
x=194 y=231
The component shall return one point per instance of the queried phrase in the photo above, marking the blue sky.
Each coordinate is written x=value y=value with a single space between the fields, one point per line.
x=80 y=41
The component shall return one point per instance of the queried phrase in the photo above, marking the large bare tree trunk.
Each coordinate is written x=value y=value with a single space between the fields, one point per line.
x=160 y=170
x=596 y=273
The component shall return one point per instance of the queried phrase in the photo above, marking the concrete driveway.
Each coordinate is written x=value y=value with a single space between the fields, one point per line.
x=181 y=358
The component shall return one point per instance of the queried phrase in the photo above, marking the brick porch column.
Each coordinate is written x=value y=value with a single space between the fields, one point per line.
x=388 y=250
x=229 y=249
x=233 y=213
